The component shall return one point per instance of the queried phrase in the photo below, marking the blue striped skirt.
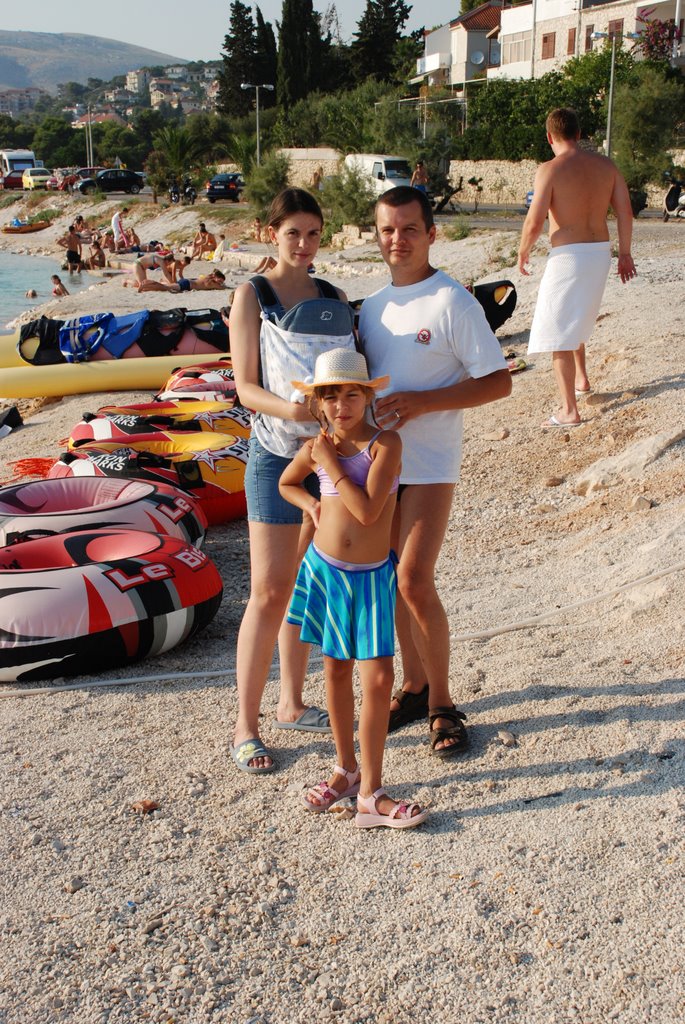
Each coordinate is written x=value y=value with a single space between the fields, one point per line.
x=348 y=612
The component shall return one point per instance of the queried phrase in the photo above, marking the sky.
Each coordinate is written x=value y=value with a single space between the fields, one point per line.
x=179 y=28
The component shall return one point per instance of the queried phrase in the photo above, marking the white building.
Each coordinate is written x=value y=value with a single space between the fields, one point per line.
x=541 y=36
x=138 y=81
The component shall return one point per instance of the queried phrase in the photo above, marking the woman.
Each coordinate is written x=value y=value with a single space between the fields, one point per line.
x=268 y=354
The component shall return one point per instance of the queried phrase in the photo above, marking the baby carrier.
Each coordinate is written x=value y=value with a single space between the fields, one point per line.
x=289 y=343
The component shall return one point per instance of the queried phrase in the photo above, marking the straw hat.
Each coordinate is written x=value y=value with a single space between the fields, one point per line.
x=340 y=366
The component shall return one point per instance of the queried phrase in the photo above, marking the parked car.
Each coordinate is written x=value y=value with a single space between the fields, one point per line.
x=35 y=177
x=225 y=186
x=114 y=179
x=528 y=200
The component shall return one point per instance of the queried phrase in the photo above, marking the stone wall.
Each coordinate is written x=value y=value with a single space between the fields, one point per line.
x=502 y=181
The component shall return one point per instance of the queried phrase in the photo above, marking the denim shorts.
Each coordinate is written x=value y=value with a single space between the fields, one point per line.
x=264 y=501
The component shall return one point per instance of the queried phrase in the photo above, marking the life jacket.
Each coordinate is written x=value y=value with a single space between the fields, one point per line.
x=81 y=336
x=46 y=330
x=124 y=331
x=289 y=343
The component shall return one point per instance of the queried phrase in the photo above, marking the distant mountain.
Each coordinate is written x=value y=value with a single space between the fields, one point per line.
x=44 y=59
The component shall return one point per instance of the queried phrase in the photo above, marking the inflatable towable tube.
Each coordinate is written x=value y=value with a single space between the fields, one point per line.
x=211 y=468
x=78 y=602
x=209 y=381
x=71 y=504
x=125 y=425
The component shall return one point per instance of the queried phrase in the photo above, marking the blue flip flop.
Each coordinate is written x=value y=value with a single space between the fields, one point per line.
x=311 y=720
x=247 y=751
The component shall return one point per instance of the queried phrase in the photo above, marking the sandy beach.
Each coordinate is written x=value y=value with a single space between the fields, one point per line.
x=547 y=885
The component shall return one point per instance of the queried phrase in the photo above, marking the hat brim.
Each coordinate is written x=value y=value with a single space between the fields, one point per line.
x=308 y=389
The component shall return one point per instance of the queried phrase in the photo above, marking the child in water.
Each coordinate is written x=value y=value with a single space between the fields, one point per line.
x=58 y=288
x=347 y=606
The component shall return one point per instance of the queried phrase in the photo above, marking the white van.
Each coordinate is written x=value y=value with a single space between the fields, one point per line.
x=383 y=171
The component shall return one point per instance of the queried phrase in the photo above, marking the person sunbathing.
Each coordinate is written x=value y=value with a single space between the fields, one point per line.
x=204 y=283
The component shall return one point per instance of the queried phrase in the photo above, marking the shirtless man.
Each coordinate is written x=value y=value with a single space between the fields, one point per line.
x=204 y=283
x=72 y=243
x=576 y=189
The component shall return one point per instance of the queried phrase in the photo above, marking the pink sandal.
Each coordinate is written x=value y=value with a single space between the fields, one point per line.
x=327 y=796
x=401 y=817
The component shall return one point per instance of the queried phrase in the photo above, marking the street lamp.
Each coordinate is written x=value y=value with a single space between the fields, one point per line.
x=248 y=85
x=614 y=36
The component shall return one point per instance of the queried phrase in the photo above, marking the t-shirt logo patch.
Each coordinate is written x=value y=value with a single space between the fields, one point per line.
x=424 y=336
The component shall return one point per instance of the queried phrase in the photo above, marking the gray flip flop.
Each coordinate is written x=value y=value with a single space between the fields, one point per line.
x=311 y=720
x=247 y=751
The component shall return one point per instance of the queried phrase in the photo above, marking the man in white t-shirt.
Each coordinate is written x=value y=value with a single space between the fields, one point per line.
x=431 y=336
x=120 y=240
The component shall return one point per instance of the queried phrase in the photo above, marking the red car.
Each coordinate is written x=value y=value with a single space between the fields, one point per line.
x=73 y=177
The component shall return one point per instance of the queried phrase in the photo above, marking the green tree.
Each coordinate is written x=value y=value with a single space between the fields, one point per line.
x=57 y=144
x=15 y=134
x=378 y=31
x=177 y=148
x=266 y=59
x=299 y=52
x=238 y=61
x=266 y=181
x=646 y=111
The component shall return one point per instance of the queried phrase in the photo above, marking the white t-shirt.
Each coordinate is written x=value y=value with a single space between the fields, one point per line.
x=427 y=336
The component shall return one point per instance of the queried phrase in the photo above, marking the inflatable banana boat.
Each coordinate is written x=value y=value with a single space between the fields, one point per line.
x=75 y=603
x=101 y=352
x=64 y=505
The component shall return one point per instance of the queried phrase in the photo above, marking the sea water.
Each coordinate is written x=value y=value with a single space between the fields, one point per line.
x=19 y=273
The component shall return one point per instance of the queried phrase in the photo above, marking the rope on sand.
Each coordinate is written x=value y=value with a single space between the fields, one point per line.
x=484 y=634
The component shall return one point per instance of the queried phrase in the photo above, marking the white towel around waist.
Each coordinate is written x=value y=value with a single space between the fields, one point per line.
x=570 y=295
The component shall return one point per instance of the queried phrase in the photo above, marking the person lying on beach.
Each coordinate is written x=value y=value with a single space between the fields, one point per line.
x=267 y=263
x=58 y=288
x=203 y=242
x=204 y=283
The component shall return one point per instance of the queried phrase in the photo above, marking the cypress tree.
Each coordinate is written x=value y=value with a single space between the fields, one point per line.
x=266 y=58
x=378 y=32
x=238 y=62
x=298 y=52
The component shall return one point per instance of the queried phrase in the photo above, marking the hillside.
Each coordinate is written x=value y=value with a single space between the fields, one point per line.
x=44 y=59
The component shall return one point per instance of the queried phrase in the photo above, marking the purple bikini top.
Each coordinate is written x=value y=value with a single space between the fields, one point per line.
x=356 y=467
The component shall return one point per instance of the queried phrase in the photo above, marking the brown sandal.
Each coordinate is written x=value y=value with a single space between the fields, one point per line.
x=453 y=732
x=412 y=707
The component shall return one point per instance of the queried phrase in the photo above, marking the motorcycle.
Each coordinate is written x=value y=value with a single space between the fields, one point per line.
x=186 y=195
x=674 y=200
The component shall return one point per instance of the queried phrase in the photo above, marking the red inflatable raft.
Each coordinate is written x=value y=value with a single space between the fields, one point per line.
x=77 y=503
x=78 y=602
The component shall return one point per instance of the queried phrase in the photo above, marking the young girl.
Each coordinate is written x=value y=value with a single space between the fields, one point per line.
x=344 y=598
x=58 y=288
x=279 y=324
